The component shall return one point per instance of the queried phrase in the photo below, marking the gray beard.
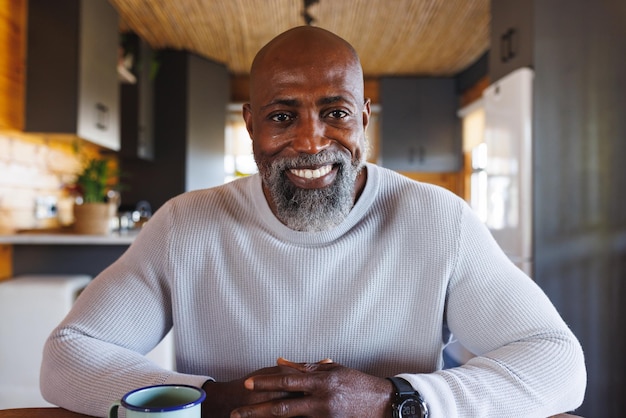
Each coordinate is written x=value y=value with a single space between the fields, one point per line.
x=312 y=210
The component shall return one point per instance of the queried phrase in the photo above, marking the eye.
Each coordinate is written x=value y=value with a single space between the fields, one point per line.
x=337 y=114
x=281 y=117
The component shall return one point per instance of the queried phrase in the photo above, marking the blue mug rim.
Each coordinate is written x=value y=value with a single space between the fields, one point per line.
x=132 y=407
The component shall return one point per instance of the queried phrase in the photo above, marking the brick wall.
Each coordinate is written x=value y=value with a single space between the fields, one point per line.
x=35 y=169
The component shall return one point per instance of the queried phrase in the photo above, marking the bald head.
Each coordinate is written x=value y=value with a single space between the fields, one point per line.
x=304 y=47
x=305 y=41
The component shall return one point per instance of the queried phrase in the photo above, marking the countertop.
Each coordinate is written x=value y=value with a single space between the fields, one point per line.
x=67 y=238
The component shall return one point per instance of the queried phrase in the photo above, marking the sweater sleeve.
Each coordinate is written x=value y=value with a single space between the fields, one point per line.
x=528 y=361
x=96 y=354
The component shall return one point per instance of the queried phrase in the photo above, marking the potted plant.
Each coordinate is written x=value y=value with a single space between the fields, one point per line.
x=95 y=205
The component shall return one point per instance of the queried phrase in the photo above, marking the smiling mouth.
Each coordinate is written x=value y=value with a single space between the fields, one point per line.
x=307 y=173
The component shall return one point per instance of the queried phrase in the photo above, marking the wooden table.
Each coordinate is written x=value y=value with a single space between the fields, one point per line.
x=39 y=413
x=63 y=413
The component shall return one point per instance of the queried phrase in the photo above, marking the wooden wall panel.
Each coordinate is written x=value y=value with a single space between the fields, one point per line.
x=475 y=92
x=12 y=57
x=6 y=261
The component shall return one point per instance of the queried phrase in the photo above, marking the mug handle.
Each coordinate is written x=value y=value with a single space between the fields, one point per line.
x=114 y=408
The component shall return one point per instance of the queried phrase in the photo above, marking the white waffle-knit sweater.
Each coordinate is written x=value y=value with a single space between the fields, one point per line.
x=377 y=293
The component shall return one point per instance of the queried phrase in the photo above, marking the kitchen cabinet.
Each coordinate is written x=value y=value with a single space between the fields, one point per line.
x=136 y=116
x=71 y=76
x=511 y=37
x=61 y=253
x=190 y=98
x=420 y=129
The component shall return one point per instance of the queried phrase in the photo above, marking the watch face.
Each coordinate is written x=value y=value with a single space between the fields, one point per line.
x=410 y=408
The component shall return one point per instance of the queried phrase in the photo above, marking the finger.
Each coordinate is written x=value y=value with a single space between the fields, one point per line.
x=272 y=383
x=293 y=407
x=286 y=382
x=284 y=362
x=303 y=367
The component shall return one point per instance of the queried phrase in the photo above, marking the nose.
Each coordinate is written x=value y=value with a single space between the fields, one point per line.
x=309 y=137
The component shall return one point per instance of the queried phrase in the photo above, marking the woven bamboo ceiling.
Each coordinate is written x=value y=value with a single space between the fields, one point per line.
x=392 y=37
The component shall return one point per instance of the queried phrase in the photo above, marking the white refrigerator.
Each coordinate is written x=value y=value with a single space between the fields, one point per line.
x=498 y=131
x=502 y=166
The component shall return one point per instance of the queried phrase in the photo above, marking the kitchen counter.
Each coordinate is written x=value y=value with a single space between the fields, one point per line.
x=61 y=252
x=67 y=238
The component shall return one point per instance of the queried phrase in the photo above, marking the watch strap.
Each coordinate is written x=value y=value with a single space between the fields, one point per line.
x=403 y=388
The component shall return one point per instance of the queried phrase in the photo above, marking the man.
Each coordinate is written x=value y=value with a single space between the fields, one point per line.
x=345 y=272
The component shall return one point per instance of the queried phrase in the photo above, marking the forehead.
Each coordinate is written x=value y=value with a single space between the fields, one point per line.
x=310 y=82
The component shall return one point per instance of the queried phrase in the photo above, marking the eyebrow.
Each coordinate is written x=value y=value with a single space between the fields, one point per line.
x=331 y=100
x=285 y=102
x=295 y=102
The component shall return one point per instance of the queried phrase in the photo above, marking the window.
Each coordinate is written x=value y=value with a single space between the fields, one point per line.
x=238 y=157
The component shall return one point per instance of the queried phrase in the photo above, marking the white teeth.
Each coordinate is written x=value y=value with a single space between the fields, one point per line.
x=312 y=174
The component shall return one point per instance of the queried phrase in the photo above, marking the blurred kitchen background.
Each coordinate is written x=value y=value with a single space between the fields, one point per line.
x=517 y=106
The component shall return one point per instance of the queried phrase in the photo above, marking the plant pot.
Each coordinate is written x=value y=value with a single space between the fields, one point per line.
x=93 y=218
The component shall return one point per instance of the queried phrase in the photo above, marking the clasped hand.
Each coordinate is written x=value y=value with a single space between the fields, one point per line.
x=323 y=389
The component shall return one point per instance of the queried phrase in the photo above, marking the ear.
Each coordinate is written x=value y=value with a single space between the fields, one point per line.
x=247 y=117
x=367 y=111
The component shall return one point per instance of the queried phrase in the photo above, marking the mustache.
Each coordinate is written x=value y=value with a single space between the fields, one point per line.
x=324 y=157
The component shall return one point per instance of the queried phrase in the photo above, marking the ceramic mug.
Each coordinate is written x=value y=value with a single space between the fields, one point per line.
x=167 y=401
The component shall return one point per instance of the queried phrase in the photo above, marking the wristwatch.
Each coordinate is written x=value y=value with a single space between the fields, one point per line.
x=408 y=403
